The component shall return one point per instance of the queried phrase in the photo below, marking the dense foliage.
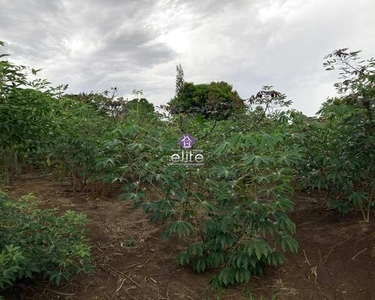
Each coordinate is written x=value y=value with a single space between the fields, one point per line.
x=340 y=145
x=109 y=104
x=35 y=241
x=217 y=99
x=25 y=113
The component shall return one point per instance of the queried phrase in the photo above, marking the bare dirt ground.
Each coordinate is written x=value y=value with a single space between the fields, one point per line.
x=336 y=259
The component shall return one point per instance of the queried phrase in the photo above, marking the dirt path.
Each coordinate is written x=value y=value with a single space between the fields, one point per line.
x=336 y=258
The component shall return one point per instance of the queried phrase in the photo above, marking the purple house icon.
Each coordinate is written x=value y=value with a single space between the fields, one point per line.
x=186 y=141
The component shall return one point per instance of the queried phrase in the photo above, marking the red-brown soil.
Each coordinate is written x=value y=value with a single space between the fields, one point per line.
x=336 y=259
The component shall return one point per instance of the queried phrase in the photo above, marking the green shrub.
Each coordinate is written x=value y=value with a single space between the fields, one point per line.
x=39 y=241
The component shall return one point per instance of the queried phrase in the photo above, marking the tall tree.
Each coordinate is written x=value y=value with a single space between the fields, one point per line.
x=179 y=79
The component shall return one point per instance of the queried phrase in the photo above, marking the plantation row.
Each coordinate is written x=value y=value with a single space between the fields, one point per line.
x=232 y=212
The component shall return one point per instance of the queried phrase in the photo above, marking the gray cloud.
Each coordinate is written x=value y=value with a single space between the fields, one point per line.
x=96 y=44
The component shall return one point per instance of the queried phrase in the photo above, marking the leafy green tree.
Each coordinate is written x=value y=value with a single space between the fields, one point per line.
x=141 y=106
x=216 y=100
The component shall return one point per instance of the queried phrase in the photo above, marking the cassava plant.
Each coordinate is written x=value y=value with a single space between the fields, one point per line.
x=78 y=138
x=340 y=144
x=232 y=211
x=38 y=241
x=26 y=116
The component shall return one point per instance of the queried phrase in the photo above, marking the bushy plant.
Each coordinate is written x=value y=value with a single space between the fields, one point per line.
x=39 y=241
x=77 y=141
x=232 y=212
x=128 y=148
x=340 y=144
x=25 y=113
x=340 y=155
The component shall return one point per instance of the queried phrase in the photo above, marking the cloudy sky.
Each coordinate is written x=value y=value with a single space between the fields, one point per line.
x=136 y=44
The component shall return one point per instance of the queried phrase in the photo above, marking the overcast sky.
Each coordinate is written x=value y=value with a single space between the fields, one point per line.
x=136 y=44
